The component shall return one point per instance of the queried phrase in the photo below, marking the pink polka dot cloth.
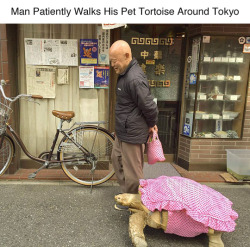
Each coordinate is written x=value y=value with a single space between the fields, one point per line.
x=192 y=207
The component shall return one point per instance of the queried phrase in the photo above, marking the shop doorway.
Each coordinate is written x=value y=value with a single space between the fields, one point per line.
x=160 y=51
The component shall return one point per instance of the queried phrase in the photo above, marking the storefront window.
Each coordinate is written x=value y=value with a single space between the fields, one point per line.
x=159 y=49
x=216 y=85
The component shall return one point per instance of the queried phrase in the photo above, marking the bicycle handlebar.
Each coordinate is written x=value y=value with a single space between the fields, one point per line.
x=36 y=96
x=3 y=82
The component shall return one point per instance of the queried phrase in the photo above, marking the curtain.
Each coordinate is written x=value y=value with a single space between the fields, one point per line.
x=37 y=124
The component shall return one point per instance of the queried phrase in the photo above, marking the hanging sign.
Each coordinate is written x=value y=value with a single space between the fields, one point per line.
x=103 y=37
x=195 y=57
x=112 y=26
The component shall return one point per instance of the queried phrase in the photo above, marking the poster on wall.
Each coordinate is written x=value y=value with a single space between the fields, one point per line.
x=86 y=76
x=103 y=36
x=51 y=52
x=41 y=80
x=88 y=51
x=102 y=77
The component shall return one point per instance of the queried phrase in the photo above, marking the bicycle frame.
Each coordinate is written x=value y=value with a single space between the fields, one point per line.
x=50 y=153
x=47 y=158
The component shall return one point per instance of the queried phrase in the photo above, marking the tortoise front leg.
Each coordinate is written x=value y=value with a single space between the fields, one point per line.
x=137 y=223
x=215 y=238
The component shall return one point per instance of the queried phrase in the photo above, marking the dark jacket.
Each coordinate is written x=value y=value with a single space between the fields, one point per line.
x=135 y=110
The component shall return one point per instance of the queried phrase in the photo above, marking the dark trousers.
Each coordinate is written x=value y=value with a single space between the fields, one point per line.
x=128 y=160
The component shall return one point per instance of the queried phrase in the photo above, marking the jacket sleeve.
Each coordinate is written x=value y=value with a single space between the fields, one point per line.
x=142 y=97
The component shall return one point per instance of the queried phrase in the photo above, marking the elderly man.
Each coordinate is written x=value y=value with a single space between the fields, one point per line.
x=136 y=115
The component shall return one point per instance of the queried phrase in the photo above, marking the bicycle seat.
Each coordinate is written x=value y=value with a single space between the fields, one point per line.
x=65 y=115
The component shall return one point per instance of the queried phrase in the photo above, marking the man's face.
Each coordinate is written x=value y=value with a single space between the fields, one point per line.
x=118 y=61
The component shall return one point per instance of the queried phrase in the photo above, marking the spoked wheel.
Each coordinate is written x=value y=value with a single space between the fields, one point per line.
x=6 y=154
x=97 y=141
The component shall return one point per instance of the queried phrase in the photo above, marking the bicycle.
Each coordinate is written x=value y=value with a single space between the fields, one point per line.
x=84 y=151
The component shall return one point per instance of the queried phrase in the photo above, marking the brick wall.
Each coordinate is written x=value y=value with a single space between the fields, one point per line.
x=3 y=53
x=210 y=154
x=8 y=71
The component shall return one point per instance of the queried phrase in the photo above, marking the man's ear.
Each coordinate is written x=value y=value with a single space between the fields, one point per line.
x=127 y=55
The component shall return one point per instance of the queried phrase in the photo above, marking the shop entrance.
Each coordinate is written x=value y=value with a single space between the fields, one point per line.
x=160 y=51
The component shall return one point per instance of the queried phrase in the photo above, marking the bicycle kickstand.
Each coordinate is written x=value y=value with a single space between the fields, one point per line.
x=33 y=175
x=92 y=175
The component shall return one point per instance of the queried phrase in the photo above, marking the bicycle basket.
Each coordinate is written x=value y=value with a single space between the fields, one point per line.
x=4 y=117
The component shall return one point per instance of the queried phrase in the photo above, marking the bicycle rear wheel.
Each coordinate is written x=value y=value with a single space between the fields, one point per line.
x=6 y=154
x=97 y=141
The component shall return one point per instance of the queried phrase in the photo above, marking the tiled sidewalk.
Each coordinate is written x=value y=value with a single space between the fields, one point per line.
x=58 y=174
x=201 y=176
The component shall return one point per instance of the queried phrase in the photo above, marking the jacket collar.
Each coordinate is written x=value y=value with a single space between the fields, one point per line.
x=132 y=62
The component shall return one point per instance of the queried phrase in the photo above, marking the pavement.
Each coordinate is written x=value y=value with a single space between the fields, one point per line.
x=62 y=213
x=58 y=212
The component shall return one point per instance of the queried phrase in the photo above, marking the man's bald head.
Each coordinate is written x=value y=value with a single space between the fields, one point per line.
x=120 y=56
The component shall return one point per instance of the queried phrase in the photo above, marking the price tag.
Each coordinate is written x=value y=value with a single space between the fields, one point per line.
x=203 y=77
x=203 y=97
x=237 y=78
x=239 y=59
x=205 y=116
x=215 y=116
x=233 y=97
x=207 y=59
x=224 y=59
x=208 y=135
x=219 y=97
x=220 y=77
x=225 y=116
x=217 y=59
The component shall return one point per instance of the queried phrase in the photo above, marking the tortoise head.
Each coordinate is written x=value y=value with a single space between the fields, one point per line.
x=123 y=199
x=126 y=199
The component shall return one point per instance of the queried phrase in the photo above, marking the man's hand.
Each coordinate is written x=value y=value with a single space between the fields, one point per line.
x=150 y=130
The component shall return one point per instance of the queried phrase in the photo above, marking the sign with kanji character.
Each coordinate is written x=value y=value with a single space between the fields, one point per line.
x=160 y=69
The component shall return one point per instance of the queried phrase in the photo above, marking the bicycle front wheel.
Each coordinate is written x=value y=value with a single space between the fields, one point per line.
x=6 y=154
x=98 y=142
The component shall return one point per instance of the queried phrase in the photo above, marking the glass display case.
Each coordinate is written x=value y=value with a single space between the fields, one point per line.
x=216 y=86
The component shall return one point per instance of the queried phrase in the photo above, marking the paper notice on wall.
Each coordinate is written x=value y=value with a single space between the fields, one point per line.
x=86 y=76
x=103 y=36
x=41 y=80
x=51 y=52
x=195 y=56
x=63 y=76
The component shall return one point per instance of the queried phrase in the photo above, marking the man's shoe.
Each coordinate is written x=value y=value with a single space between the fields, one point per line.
x=121 y=207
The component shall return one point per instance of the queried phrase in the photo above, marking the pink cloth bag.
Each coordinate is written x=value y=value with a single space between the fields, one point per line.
x=154 y=149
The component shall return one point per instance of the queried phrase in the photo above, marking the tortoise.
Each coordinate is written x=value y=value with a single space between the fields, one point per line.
x=163 y=211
